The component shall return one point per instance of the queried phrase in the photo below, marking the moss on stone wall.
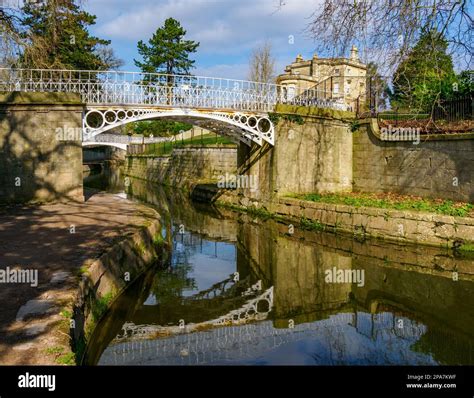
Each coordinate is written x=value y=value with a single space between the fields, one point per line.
x=312 y=111
x=105 y=280
x=11 y=98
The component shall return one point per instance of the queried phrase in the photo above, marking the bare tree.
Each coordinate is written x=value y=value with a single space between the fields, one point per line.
x=107 y=55
x=262 y=64
x=10 y=39
x=386 y=30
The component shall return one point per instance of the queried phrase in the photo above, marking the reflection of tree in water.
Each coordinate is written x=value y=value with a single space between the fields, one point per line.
x=459 y=351
x=170 y=284
x=336 y=349
x=378 y=339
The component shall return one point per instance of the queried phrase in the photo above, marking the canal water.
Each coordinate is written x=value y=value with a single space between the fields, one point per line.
x=238 y=290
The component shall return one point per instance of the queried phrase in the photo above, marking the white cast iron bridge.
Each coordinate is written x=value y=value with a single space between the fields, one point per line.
x=237 y=108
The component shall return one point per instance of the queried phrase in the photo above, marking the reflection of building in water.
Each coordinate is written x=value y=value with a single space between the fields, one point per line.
x=342 y=79
x=300 y=285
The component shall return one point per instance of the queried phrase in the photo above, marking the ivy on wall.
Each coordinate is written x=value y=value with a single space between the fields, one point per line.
x=355 y=125
x=276 y=117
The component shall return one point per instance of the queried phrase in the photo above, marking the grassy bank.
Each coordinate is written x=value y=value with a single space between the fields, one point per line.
x=394 y=202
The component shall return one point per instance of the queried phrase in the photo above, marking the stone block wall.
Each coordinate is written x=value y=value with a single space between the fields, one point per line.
x=36 y=166
x=441 y=167
x=184 y=166
x=392 y=225
x=312 y=153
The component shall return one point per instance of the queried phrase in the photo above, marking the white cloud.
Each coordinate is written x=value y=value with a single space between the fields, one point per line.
x=220 y=26
x=226 y=29
x=229 y=71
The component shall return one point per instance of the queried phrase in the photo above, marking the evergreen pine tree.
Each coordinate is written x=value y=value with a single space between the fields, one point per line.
x=167 y=51
x=425 y=75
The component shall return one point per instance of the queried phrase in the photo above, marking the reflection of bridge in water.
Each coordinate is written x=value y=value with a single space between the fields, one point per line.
x=250 y=341
x=255 y=309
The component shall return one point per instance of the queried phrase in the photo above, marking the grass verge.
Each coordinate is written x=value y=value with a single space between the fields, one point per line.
x=394 y=202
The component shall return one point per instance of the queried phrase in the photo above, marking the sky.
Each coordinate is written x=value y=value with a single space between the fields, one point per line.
x=227 y=30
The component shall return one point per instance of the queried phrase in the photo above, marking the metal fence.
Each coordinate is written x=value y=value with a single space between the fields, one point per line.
x=454 y=110
x=376 y=103
x=126 y=139
x=447 y=111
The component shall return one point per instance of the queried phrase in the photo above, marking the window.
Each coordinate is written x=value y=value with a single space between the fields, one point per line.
x=336 y=88
x=290 y=93
x=347 y=88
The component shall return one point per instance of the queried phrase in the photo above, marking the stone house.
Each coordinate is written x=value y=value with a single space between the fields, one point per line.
x=341 y=80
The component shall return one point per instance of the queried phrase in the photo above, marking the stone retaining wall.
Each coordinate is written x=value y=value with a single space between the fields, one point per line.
x=184 y=166
x=312 y=153
x=393 y=225
x=440 y=166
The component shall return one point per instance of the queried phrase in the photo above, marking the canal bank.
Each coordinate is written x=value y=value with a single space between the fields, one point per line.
x=403 y=226
x=184 y=166
x=84 y=255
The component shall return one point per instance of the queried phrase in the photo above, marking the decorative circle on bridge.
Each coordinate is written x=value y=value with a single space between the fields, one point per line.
x=252 y=121
x=121 y=115
x=95 y=120
x=264 y=126
x=110 y=117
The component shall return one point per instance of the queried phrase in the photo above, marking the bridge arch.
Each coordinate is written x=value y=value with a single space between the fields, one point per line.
x=246 y=127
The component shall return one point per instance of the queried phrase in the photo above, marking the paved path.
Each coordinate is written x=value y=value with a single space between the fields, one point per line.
x=56 y=241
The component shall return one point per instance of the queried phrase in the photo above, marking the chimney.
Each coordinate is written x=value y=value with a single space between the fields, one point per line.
x=354 y=54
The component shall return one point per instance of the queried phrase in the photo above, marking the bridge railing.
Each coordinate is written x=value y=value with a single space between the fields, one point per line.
x=135 y=88
x=126 y=139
